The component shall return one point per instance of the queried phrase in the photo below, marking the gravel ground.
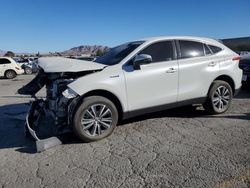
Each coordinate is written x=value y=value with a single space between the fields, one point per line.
x=175 y=148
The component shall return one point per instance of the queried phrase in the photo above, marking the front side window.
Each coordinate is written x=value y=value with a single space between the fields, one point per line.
x=117 y=54
x=4 y=61
x=160 y=51
x=191 y=49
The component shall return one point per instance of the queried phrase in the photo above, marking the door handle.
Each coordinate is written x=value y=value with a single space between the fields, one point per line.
x=171 y=70
x=212 y=64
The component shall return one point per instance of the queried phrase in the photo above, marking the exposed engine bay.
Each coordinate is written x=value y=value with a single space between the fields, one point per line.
x=52 y=115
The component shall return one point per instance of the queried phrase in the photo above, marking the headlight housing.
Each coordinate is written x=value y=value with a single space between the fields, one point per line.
x=69 y=93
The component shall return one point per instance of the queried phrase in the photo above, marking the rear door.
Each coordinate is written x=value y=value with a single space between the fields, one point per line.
x=197 y=69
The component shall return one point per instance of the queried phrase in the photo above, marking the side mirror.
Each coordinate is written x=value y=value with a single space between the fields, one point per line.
x=141 y=59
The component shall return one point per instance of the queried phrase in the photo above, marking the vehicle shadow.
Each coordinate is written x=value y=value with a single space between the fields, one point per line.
x=181 y=112
x=244 y=93
x=12 y=132
x=185 y=112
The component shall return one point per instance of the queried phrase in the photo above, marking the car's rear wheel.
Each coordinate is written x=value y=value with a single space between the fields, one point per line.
x=219 y=97
x=95 y=118
x=10 y=74
x=28 y=70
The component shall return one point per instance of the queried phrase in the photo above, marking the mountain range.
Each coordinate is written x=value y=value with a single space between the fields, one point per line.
x=86 y=50
x=236 y=44
x=2 y=52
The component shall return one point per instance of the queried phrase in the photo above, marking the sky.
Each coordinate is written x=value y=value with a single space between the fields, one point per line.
x=57 y=25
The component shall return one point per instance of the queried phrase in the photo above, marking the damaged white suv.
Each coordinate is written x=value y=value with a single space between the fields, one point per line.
x=135 y=78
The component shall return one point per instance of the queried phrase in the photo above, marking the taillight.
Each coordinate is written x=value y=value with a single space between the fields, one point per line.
x=236 y=58
x=17 y=68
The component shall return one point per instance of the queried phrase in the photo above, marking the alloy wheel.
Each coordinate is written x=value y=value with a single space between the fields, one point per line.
x=221 y=98
x=96 y=119
x=10 y=74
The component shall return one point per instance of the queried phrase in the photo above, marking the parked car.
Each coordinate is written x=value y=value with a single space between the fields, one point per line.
x=244 y=54
x=30 y=67
x=27 y=68
x=131 y=79
x=9 y=68
x=245 y=66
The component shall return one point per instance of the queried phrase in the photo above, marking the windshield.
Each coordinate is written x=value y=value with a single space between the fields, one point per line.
x=117 y=54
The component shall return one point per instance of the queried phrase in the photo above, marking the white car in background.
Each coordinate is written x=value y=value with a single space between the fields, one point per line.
x=9 y=68
x=135 y=78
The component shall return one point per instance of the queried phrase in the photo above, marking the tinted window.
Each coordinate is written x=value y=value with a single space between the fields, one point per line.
x=191 y=49
x=117 y=54
x=207 y=50
x=161 y=51
x=215 y=49
x=4 y=61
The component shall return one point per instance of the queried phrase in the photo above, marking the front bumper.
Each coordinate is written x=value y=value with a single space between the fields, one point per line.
x=41 y=144
x=42 y=122
x=28 y=127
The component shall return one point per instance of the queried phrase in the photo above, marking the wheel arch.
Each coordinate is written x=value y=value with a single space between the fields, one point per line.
x=109 y=95
x=9 y=70
x=227 y=79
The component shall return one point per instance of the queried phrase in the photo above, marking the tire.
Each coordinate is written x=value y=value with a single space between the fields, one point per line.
x=10 y=74
x=219 y=97
x=28 y=70
x=98 y=112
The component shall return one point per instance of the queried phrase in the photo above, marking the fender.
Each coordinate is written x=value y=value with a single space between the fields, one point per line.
x=110 y=79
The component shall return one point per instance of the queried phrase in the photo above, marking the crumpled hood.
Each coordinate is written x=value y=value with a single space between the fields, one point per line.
x=61 y=64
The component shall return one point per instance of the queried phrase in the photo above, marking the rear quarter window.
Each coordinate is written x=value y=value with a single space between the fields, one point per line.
x=215 y=49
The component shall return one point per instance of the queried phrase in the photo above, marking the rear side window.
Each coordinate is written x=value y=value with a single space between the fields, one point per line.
x=191 y=49
x=160 y=51
x=215 y=49
x=4 y=61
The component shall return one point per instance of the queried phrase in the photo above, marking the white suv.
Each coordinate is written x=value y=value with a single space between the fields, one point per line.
x=9 y=68
x=132 y=79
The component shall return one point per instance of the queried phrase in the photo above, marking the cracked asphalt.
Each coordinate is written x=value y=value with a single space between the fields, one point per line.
x=175 y=148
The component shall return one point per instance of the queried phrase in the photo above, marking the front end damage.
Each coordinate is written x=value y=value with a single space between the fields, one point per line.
x=52 y=115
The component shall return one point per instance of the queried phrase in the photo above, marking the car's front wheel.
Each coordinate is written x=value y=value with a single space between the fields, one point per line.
x=95 y=118
x=219 y=97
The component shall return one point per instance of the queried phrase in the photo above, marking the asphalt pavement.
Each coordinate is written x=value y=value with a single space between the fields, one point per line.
x=180 y=147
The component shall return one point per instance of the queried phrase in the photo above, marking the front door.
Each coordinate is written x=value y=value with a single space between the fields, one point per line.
x=155 y=84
